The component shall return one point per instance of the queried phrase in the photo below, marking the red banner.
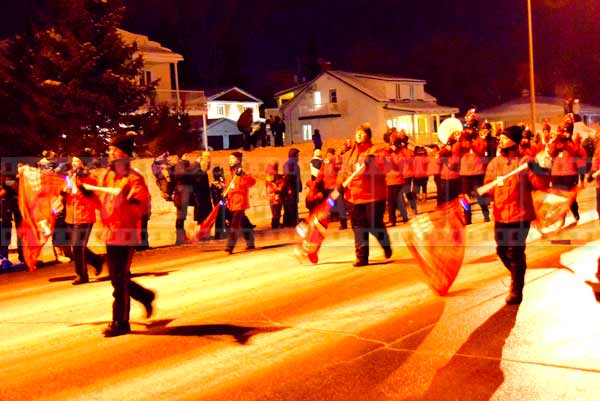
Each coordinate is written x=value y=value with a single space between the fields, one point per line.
x=437 y=241
x=39 y=202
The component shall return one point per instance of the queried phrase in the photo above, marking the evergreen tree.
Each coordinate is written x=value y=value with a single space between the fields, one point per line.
x=72 y=80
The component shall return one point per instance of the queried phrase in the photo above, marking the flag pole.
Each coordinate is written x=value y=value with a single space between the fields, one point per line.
x=531 y=69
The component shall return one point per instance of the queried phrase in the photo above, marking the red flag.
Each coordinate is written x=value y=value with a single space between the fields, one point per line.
x=312 y=230
x=551 y=207
x=39 y=202
x=437 y=241
x=202 y=230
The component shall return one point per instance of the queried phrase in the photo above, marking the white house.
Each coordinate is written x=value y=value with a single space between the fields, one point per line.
x=336 y=102
x=518 y=110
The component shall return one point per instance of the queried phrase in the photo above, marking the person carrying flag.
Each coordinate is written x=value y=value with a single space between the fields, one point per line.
x=513 y=205
x=366 y=194
x=122 y=218
x=237 y=203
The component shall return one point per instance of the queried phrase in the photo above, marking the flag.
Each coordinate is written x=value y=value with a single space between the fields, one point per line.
x=437 y=241
x=202 y=230
x=39 y=202
x=551 y=207
x=312 y=230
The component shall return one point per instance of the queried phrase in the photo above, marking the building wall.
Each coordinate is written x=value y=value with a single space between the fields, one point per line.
x=162 y=72
x=232 y=110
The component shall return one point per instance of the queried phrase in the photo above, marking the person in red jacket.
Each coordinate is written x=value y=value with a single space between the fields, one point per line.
x=237 y=203
x=81 y=205
x=473 y=148
x=122 y=218
x=365 y=195
x=593 y=170
x=449 y=159
x=513 y=205
x=568 y=162
x=395 y=182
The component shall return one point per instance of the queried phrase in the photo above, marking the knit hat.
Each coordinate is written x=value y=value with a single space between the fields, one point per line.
x=238 y=155
x=317 y=153
x=124 y=142
x=514 y=133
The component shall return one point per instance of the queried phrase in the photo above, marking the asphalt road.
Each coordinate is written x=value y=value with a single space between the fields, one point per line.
x=260 y=325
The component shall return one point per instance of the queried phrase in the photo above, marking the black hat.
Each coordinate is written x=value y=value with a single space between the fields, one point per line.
x=125 y=142
x=238 y=155
x=515 y=133
x=293 y=152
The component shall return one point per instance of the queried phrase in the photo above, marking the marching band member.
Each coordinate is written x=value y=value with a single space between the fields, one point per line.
x=238 y=200
x=395 y=181
x=513 y=205
x=122 y=219
x=365 y=195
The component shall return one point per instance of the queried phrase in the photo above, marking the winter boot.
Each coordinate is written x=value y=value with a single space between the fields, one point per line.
x=515 y=295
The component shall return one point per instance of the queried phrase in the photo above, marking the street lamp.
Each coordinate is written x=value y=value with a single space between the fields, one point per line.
x=531 y=73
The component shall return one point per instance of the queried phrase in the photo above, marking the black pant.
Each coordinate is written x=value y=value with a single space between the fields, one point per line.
x=407 y=189
x=449 y=190
x=240 y=224
x=510 y=248
x=367 y=218
x=82 y=255
x=290 y=214
x=396 y=202
x=144 y=235
x=275 y=216
x=469 y=185
x=118 y=259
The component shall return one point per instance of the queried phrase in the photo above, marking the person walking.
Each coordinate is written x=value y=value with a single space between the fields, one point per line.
x=290 y=195
x=122 y=219
x=365 y=195
x=237 y=203
x=80 y=216
x=278 y=128
x=317 y=140
x=513 y=205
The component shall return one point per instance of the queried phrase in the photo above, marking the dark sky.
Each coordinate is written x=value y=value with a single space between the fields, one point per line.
x=471 y=52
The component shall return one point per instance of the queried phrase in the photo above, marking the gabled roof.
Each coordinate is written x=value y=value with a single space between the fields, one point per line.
x=292 y=89
x=231 y=94
x=359 y=81
x=149 y=48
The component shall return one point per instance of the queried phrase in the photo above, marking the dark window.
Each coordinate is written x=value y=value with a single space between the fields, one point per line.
x=148 y=77
x=173 y=76
x=333 y=96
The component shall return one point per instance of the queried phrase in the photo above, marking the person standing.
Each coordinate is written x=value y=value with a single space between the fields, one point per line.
x=315 y=164
x=395 y=181
x=201 y=188
x=274 y=185
x=237 y=203
x=278 y=128
x=122 y=219
x=365 y=195
x=290 y=195
x=217 y=187
x=80 y=216
x=244 y=124
x=182 y=196
x=317 y=140
x=513 y=205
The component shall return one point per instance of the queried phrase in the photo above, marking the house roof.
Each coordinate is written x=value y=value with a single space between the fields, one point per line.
x=150 y=49
x=293 y=88
x=545 y=105
x=360 y=82
x=231 y=94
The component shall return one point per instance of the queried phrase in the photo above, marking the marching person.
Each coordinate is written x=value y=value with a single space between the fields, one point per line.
x=80 y=216
x=237 y=203
x=471 y=170
x=594 y=169
x=395 y=181
x=274 y=186
x=513 y=205
x=217 y=187
x=122 y=219
x=365 y=195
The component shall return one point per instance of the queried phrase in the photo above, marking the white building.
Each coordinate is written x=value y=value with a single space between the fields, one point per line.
x=336 y=102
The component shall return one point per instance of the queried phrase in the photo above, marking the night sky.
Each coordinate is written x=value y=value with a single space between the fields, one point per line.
x=471 y=52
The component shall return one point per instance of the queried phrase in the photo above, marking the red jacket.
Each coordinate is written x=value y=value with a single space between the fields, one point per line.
x=122 y=213
x=450 y=161
x=472 y=156
x=81 y=205
x=421 y=166
x=408 y=165
x=596 y=165
x=394 y=176
x=238 y=197
x=369 y=186
x=567 y=158
x=512 y=200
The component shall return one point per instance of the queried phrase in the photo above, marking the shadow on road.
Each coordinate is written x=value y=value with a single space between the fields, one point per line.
x=241 y=334
x=474 y=372
x=107 y=278
x=595 y=286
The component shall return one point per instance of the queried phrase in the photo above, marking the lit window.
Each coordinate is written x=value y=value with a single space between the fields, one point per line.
x=220 y=110
x=411 y=89
x=398 y=91
x=307 y=132
x=317 y=97
x=332 y=96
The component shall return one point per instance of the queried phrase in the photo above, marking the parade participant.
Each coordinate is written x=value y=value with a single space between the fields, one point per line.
x=274 y=185
x=513 y=205
x=366 y=193
x=237 y=203
x=315 y=164
x=568 y=162
x=407 y=169
x=328 y=175
x=421 y=173
x=473 y=149
x=80 y=209
x=290 y=195
x=594 y=175
x=433 y=170
x=449 y=157
x=395 y=181
x=122 y=218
